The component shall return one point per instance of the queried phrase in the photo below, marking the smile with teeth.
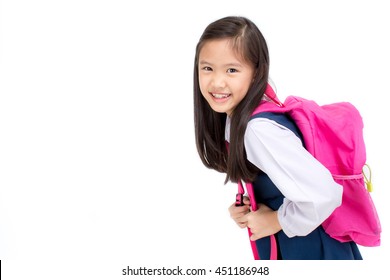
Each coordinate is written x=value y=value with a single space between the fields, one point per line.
x=220 y=95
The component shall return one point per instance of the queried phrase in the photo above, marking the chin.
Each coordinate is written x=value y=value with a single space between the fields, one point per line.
x=219 y=110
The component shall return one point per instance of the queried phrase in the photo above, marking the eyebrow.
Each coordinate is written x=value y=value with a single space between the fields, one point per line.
x=202 y=62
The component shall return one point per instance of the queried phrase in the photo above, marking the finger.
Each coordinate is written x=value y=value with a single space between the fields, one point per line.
x=241 y=210
x=242 y=225
x=251 y=222
x=239 y=217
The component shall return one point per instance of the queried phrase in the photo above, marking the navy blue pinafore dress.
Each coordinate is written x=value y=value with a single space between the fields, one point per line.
x=317 y=245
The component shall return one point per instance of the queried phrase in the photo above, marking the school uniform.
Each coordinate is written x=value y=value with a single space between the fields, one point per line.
x=295 y=184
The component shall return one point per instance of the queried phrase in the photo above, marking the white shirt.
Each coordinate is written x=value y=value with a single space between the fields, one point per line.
x=311 y=194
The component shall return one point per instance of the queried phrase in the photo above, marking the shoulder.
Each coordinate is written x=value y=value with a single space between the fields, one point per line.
x=273 y=124
x=267 y=129
x=263 y=125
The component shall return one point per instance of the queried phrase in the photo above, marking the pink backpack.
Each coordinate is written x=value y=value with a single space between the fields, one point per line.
x=333 y=134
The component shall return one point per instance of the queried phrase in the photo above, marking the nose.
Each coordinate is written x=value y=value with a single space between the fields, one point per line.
x=218 y=80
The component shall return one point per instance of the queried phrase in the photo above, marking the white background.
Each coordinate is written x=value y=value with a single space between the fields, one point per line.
x=98 y=165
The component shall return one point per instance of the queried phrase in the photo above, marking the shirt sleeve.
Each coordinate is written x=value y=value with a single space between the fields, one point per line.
x=311 y=194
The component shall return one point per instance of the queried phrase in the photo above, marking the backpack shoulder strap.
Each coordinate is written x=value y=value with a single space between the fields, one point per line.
x=281 y=118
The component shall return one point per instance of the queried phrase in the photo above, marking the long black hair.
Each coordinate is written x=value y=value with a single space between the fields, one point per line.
x=248 y=42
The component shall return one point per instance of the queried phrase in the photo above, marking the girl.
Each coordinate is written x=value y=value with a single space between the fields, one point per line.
x=294 y=192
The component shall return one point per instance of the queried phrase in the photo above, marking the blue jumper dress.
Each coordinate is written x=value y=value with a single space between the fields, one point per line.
x=317 y=245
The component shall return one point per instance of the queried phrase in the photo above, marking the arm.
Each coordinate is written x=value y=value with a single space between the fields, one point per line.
x=311 y=194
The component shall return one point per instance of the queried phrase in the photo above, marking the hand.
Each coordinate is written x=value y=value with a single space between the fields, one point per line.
x=238 y=213
x=263 y=222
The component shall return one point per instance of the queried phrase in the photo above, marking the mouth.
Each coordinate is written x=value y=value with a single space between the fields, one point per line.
x=220 y=96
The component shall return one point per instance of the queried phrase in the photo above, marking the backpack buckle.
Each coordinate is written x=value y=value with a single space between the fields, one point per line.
x=239 y=199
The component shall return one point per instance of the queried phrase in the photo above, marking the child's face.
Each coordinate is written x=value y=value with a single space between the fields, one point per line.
x=224 y=78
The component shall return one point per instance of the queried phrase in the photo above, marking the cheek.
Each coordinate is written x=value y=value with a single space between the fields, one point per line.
x=203 y=85
x=248 y=83
x=242 y=87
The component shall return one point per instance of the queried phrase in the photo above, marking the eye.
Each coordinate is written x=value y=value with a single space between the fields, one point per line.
x=232 y=70
x=207 y=68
